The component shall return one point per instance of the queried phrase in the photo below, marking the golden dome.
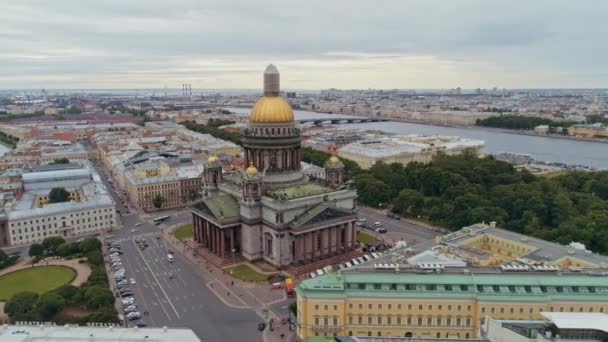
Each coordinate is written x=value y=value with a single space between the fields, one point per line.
x=271 y=109
x=252 y=169
x=333 y=159
x=212 y=158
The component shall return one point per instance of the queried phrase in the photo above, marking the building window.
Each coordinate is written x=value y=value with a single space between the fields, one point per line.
x=379 y=320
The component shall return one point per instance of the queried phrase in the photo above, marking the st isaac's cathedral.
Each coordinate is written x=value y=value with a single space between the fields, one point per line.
x=272 y=212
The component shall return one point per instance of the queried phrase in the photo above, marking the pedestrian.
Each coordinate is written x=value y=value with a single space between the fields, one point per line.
x=232 y=283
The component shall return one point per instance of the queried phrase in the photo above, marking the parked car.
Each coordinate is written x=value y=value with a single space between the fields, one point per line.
x=378 y=224
x=132 y=281
x=128 y=310
x=380 y=230
x=140 y=324
x=127 y=301
x=127 y=294
x=133 y=316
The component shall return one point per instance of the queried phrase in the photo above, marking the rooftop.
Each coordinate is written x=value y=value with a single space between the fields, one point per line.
x=33 y=333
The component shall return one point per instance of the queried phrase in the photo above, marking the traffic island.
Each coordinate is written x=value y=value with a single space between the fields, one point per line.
x=245 y=273
x=184 y=232
x=366 y=238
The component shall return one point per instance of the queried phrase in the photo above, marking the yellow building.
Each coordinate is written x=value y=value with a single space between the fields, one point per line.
x=446 y=288
x=148 y=176
x=590 y=131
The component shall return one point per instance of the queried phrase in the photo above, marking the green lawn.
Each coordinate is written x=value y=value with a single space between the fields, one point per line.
x=366 y=238
x=37 y=279
x=184 y=232
x=245 y=273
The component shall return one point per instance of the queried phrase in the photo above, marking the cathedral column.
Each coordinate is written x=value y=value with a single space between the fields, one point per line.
x=330 y=240
x=354 y=229
x=232 y=240
x=296 y=249
x=325 y=241
x=213 y=239
x=305 y=249
x=222 y=243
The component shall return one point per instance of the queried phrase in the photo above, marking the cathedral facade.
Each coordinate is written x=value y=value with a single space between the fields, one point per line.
x=271 y=211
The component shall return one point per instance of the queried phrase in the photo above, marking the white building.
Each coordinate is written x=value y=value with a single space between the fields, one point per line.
x=52 y=333
x=31 y=218
x=557 y=326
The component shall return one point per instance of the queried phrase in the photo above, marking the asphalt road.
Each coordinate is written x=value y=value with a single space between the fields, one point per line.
x=183 y=301
x=398 y=229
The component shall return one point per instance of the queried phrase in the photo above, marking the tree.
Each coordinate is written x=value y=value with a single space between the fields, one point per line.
x=409 y=202
x=68 y=293
x=22 y=306
x=94 y=257
x=51 y=244
x=293 y=308
x=49 y=304
x=193 y=195
x=58 y=195
x=67 y=249
x=89 y=245
x=97 y=296
x=61 y=161
x=158 y=201
x=73 y=110
x=372 y=191
x=36 y=249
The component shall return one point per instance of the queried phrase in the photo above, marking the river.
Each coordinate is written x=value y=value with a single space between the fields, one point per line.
x=586 y=153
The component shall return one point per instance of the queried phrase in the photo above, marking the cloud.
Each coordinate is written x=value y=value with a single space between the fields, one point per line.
x=316 y=44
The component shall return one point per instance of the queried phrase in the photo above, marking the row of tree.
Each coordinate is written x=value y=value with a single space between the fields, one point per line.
x=212 y=128
x=520 y=122
x=94 y=295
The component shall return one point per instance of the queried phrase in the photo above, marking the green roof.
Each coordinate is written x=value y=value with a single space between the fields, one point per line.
x=304 y=190
x=223 y=206
x=533 y=287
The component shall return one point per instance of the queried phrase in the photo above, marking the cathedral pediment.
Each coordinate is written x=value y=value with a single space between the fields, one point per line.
x=318 y=214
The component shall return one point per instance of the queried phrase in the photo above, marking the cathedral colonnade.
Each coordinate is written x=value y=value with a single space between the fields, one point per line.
x=223 y=242
x=325 y=242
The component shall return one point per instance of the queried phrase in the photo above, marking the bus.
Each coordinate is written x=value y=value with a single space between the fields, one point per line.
x=161 y=218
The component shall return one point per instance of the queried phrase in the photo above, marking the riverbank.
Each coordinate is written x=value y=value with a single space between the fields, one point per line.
x=481 y=128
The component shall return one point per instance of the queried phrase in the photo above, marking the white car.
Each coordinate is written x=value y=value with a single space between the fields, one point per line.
x=138 y=224
x=132 y=281
x=128 y=301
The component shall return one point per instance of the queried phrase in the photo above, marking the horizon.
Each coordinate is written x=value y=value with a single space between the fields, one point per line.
x=346 y=45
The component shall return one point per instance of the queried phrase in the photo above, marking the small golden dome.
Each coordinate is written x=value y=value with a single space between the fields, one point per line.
x=333 y=159
x=271 y=109
x=252 y=169
x=212 y=158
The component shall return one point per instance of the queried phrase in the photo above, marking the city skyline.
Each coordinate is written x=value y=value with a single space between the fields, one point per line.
x=354 y=45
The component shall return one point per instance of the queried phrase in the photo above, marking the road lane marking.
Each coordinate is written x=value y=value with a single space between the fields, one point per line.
x=159 y=285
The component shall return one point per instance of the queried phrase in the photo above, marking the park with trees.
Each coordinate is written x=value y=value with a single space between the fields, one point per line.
x=47 y=295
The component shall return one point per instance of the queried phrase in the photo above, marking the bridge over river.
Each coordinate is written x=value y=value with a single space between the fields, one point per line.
x=340 y=121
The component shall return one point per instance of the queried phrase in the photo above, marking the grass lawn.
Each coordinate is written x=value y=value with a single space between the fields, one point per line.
x=554 y=174
x=245 y=273
x=366 y=238
x=37 y=279
x=184 y=232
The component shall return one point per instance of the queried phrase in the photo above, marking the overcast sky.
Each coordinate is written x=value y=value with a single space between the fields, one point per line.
x=315 y=44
